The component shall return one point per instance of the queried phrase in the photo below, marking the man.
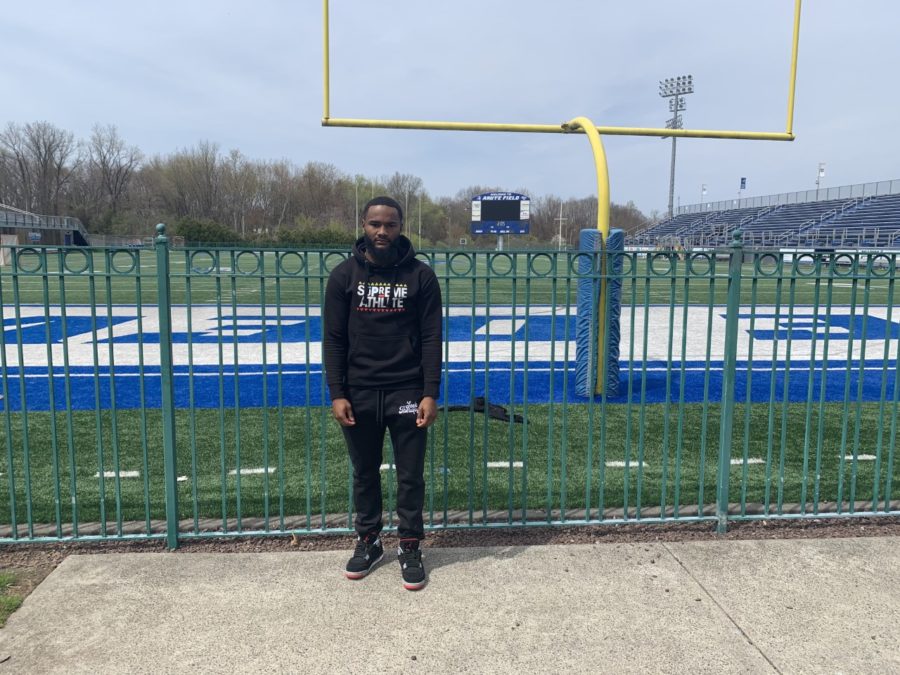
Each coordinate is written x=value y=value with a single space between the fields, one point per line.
x=382 y=356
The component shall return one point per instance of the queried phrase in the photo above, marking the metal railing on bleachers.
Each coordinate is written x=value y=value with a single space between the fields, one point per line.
x=864 y=221
x=842 y=192
x=17 y=219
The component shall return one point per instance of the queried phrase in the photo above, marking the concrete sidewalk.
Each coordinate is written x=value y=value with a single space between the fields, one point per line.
x=792 y=606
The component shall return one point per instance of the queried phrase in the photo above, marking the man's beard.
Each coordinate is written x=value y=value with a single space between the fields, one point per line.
x=382 y=256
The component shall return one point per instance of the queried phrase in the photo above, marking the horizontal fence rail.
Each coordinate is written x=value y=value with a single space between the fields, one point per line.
x=179 y=393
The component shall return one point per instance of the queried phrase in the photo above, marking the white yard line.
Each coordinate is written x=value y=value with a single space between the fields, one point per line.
x=734 y=462
x=847 y=284
x=861 y=458
x=252 y=472
x=120 y=474
x=443 y=469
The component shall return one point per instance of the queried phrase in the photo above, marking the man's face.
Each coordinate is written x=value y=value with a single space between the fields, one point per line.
x=381 y=227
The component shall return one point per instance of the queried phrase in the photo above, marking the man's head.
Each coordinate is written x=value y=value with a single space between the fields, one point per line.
x=382 y=221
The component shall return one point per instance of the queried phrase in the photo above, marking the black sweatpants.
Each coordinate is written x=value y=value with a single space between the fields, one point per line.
x=375 y=410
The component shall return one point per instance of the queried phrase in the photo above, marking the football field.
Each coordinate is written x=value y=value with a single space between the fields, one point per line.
x=241 y=356
x=816 y=391
x=88 y=321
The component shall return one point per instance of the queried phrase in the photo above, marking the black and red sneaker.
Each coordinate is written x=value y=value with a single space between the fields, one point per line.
x=368 y=553
x=411 y=566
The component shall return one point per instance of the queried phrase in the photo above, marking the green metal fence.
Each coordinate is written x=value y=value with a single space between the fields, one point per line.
x=177 y=393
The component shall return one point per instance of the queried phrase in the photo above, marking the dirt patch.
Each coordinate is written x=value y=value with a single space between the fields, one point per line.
x=32 y=562
x=27 y=578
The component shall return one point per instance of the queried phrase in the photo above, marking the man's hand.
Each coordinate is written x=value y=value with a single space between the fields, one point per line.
x=427 y=412
x=343 y=412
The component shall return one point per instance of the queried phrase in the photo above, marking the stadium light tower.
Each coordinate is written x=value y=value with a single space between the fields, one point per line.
x=674 y=89
x=820 y=174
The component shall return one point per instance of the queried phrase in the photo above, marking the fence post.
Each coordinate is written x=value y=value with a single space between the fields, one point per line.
x=167 y=389
x=735 y=265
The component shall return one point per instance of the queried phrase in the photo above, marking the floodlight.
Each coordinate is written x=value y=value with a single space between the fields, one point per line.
x=674 y=89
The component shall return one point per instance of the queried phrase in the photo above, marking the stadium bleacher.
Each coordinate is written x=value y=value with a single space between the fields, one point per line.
x=852 y=222
x=873 y=224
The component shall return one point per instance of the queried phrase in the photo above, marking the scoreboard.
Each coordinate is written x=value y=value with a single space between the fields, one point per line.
x=501 y=213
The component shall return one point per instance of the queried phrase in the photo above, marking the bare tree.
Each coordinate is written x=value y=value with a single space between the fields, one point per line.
x=403 y=187
x=18 y=172
x=628 y=217
x=40 y=158
x=113 y=163
x=8 y=182
x=190 y=182
x=279 y=198
x=203 y=178
x=153 y=195
x=44 y=169
x=45 y=157
x=241 y=189
x=319 y=197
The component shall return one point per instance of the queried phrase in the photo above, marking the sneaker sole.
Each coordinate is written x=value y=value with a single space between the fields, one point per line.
x=360 y=575
x=415 y=587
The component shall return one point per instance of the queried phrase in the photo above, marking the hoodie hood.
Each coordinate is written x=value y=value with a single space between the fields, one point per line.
x=405 y=253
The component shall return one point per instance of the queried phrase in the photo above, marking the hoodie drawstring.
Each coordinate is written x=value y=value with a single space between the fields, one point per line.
x=390 y=290
x=365 y=297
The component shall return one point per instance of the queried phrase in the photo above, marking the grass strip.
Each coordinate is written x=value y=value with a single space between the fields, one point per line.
x=453 y=482
x=9 y=600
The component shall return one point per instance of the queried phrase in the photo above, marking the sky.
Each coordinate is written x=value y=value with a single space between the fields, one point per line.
x=250 y=76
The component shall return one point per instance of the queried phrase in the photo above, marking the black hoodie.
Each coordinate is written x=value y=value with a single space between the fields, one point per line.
x=382 y=327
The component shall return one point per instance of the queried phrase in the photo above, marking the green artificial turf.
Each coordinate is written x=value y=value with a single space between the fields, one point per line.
x=565 y=451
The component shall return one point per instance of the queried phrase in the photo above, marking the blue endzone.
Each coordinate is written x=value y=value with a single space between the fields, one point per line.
x=298 y=386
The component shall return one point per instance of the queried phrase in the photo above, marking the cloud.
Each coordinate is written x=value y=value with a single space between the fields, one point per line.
x=250 y=76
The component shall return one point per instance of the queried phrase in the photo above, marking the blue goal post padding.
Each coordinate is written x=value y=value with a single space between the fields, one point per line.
x=590 y=284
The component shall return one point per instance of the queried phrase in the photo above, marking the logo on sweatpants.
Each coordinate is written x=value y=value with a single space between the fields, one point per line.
x=410 y=407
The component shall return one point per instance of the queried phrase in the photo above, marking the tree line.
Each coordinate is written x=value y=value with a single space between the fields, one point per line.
x=216 y=196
